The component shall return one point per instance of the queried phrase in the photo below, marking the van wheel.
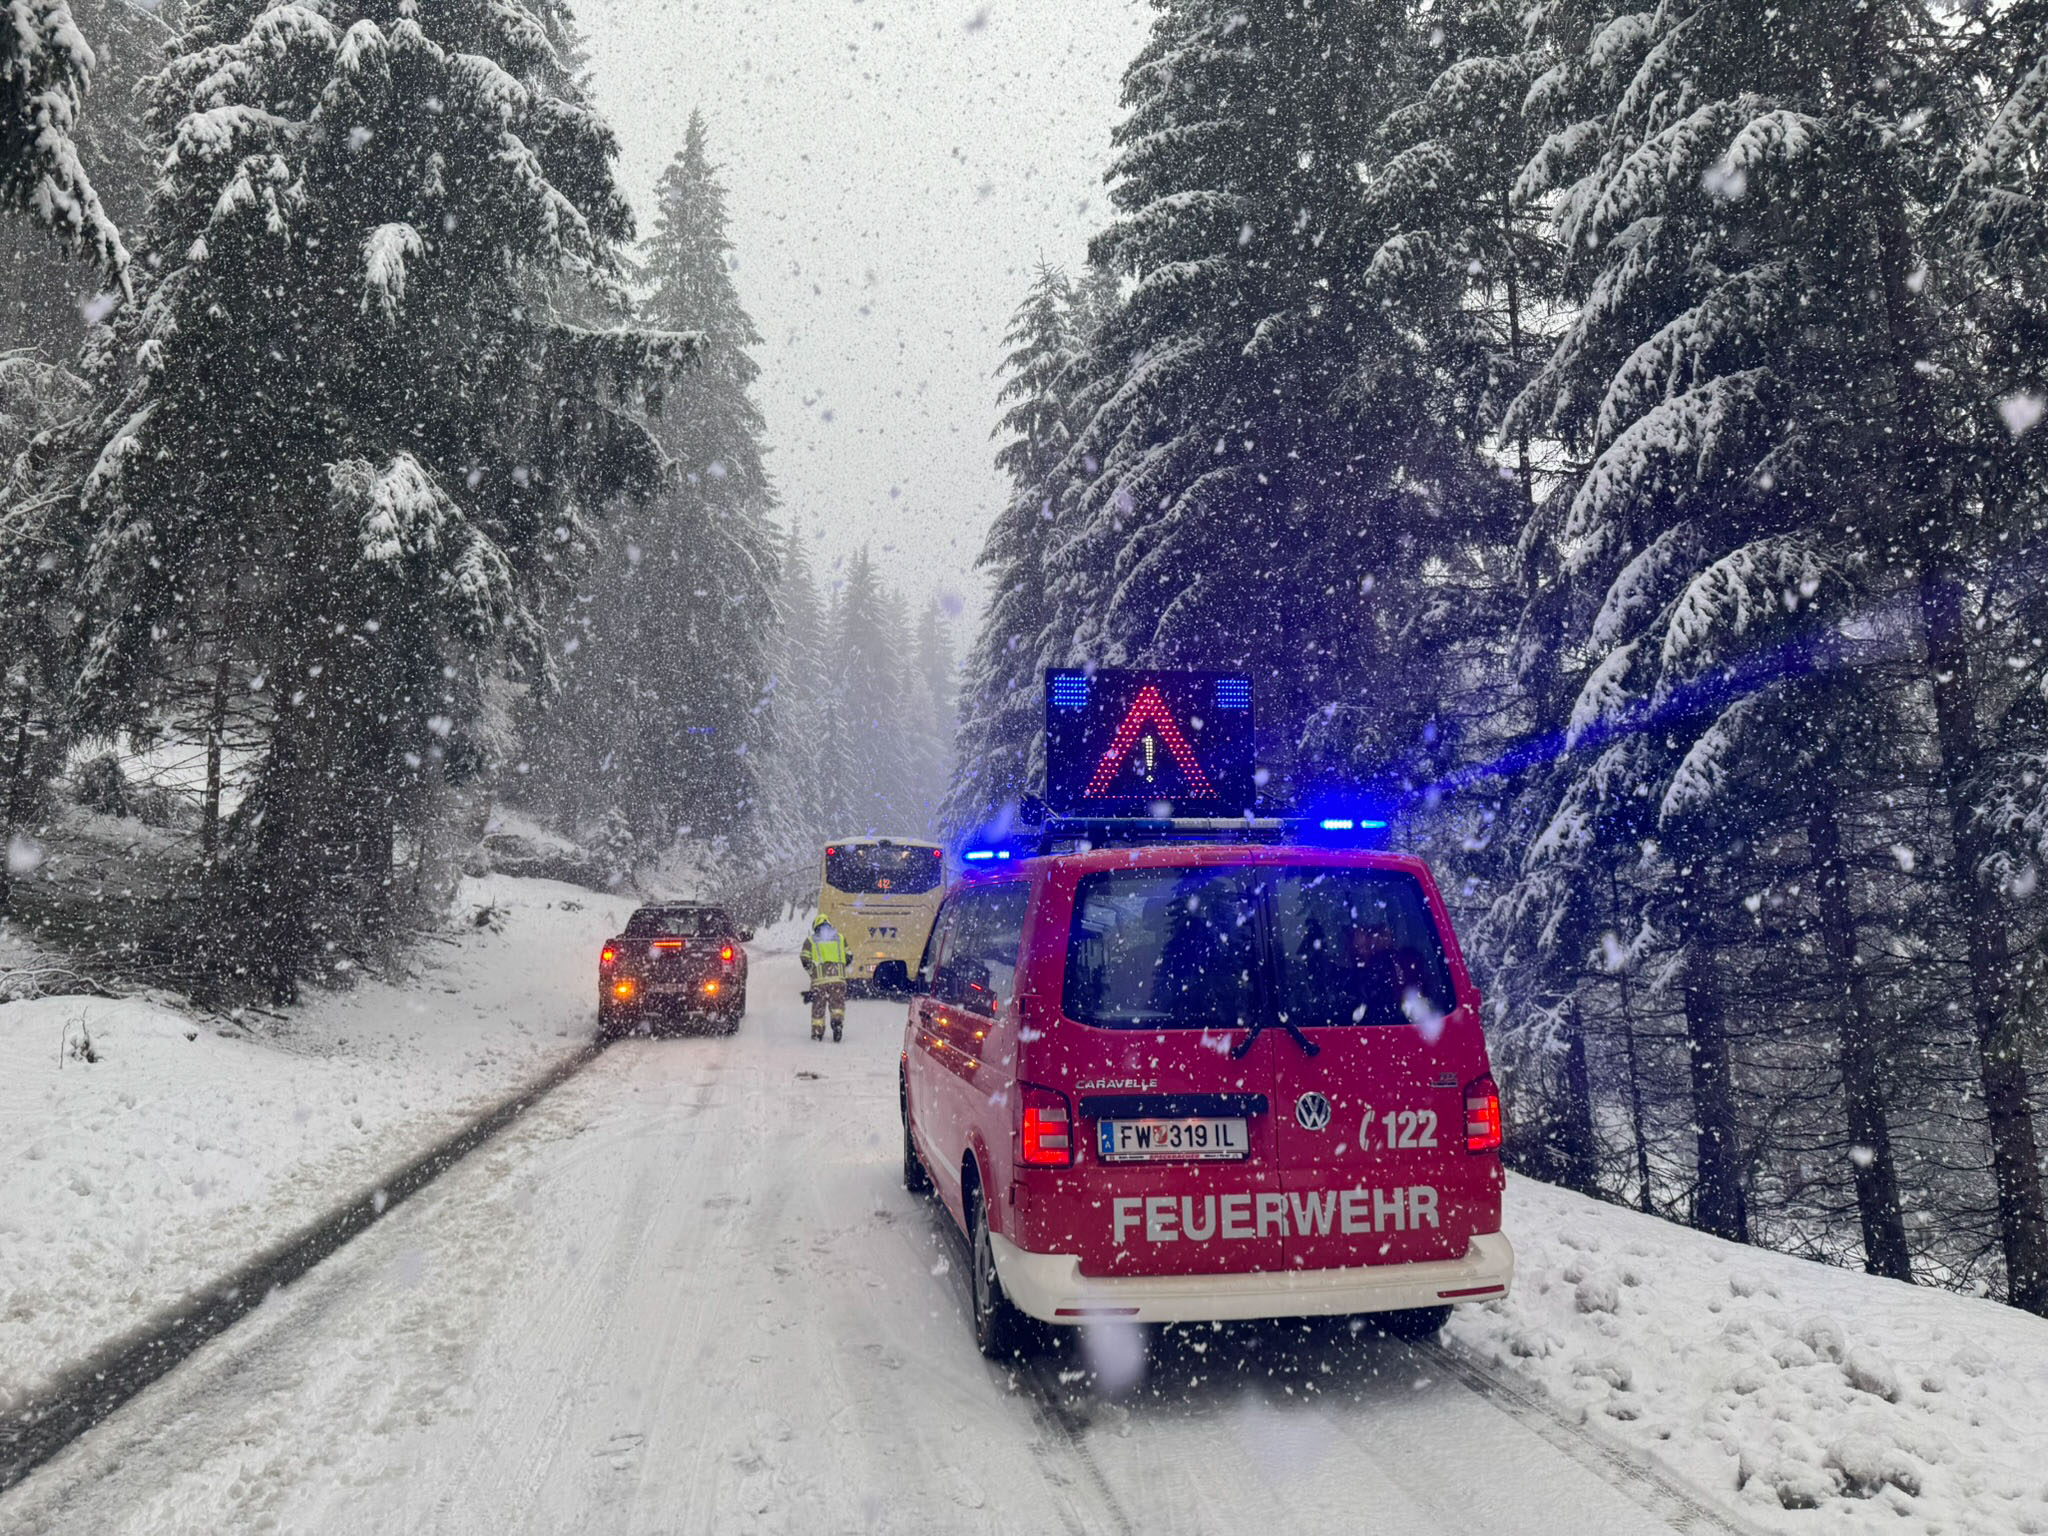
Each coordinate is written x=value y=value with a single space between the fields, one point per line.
x=1000 y=1330
x=915 y=1179
x=1417 y=1325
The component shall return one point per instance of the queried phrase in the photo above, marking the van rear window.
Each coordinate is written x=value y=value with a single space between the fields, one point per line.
x=1210 y=948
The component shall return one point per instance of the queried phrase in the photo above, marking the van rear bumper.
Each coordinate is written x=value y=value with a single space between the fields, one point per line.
x=1051 y=1288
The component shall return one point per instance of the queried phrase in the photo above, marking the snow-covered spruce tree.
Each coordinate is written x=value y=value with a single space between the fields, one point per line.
x=795 y=820
x=1761 y=443
x=1002 y=701
x=1257 y=485
x=45 y=68
x=658 y=711
x=356 y=422
x=868 y=755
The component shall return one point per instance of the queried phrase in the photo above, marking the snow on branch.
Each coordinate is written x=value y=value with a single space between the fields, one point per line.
x=45 y=70
x=385 y=252
x=1677 y=445
x=1762 y=582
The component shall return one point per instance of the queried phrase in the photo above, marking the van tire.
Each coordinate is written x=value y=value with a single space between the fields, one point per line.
x=1416 y=1325
x=915 y=1178
x=1001 y=1332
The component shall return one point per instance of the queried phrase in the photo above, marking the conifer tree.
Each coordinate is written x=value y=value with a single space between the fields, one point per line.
x=357 y=433
x=1253 y=427
x=1003 y=702
x=1746 y=191
x=659 y=708
x=46 y=68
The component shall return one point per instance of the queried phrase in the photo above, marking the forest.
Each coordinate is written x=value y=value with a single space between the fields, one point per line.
x=372 y=494
x=1606 y=431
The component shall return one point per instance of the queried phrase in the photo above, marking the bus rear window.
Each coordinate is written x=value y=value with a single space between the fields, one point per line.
x=865 y=869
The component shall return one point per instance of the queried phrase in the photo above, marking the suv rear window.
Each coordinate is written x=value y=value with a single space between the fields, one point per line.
x=1199 y=948
x=683 y=922
x=863 y=870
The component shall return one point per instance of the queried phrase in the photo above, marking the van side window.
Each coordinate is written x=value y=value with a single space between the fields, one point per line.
x=935 y=946
x=1358 y=946
x=977 y=968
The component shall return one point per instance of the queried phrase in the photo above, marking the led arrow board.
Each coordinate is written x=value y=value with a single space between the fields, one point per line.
x=1120 y=743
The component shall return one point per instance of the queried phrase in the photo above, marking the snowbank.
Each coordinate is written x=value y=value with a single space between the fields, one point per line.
x=186 y=1144
x=1810 y=1398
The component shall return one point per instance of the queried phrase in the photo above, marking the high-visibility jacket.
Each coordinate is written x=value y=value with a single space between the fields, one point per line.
x=824 y=953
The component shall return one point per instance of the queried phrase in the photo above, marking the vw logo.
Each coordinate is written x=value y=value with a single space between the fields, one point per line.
x=1312 y=1112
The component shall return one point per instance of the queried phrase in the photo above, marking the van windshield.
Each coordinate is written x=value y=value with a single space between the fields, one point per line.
x=1200 y=948
x=864 y=869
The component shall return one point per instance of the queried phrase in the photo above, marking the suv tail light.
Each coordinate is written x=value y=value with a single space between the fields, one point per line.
x=608 y=956
x=725 y=954
x=623 y=989
x=1048 y=1127
x=1482 y=1116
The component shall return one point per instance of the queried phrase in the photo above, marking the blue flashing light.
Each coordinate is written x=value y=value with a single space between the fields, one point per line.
x=1339 y=824
x=1069 y=691
x=978 y=855
x=1233 y=693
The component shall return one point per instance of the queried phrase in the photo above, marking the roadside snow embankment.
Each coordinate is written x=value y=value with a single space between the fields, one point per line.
x=183 y=1147
x=1809 y=1398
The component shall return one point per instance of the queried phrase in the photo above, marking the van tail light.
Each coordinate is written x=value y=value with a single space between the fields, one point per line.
x=608 y=956
x=1482 y=1116
x=1048 y=1127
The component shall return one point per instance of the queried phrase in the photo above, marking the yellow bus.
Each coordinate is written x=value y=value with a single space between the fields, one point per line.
x=882 y=894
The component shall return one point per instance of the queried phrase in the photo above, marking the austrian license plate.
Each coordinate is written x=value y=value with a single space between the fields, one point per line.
x=1127 y=1141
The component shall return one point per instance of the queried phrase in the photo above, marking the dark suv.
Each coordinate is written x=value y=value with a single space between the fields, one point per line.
x=674 y=961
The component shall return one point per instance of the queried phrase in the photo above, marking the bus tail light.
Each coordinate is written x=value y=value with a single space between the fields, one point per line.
x=1048 y=1127
x=1482 y=1116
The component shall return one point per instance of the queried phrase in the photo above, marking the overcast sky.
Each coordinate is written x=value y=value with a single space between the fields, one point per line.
x=895 y=170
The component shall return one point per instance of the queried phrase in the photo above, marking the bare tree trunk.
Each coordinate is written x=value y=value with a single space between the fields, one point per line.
x=1877 y=1186
x=216 y=730
x=1720 y=1208
x=1579 y=1150
x=1637 y=1126
x=17 y=800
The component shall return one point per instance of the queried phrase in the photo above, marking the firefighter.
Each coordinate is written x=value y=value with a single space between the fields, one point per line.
x=824 y=956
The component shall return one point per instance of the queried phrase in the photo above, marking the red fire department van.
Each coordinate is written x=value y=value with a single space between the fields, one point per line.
x=1175 y=1070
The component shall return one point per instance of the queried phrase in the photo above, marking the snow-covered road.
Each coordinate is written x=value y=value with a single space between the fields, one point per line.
x=689 y=1293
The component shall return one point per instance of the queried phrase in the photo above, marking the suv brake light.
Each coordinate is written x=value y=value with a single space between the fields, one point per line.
x=1048 y=1142
x=1482 y=1116
x=608 y=956
x=667 y=946
x=725 y=954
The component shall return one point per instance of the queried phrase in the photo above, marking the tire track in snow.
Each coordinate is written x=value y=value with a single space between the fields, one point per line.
x=87 y=1392
x=1655 y=1490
